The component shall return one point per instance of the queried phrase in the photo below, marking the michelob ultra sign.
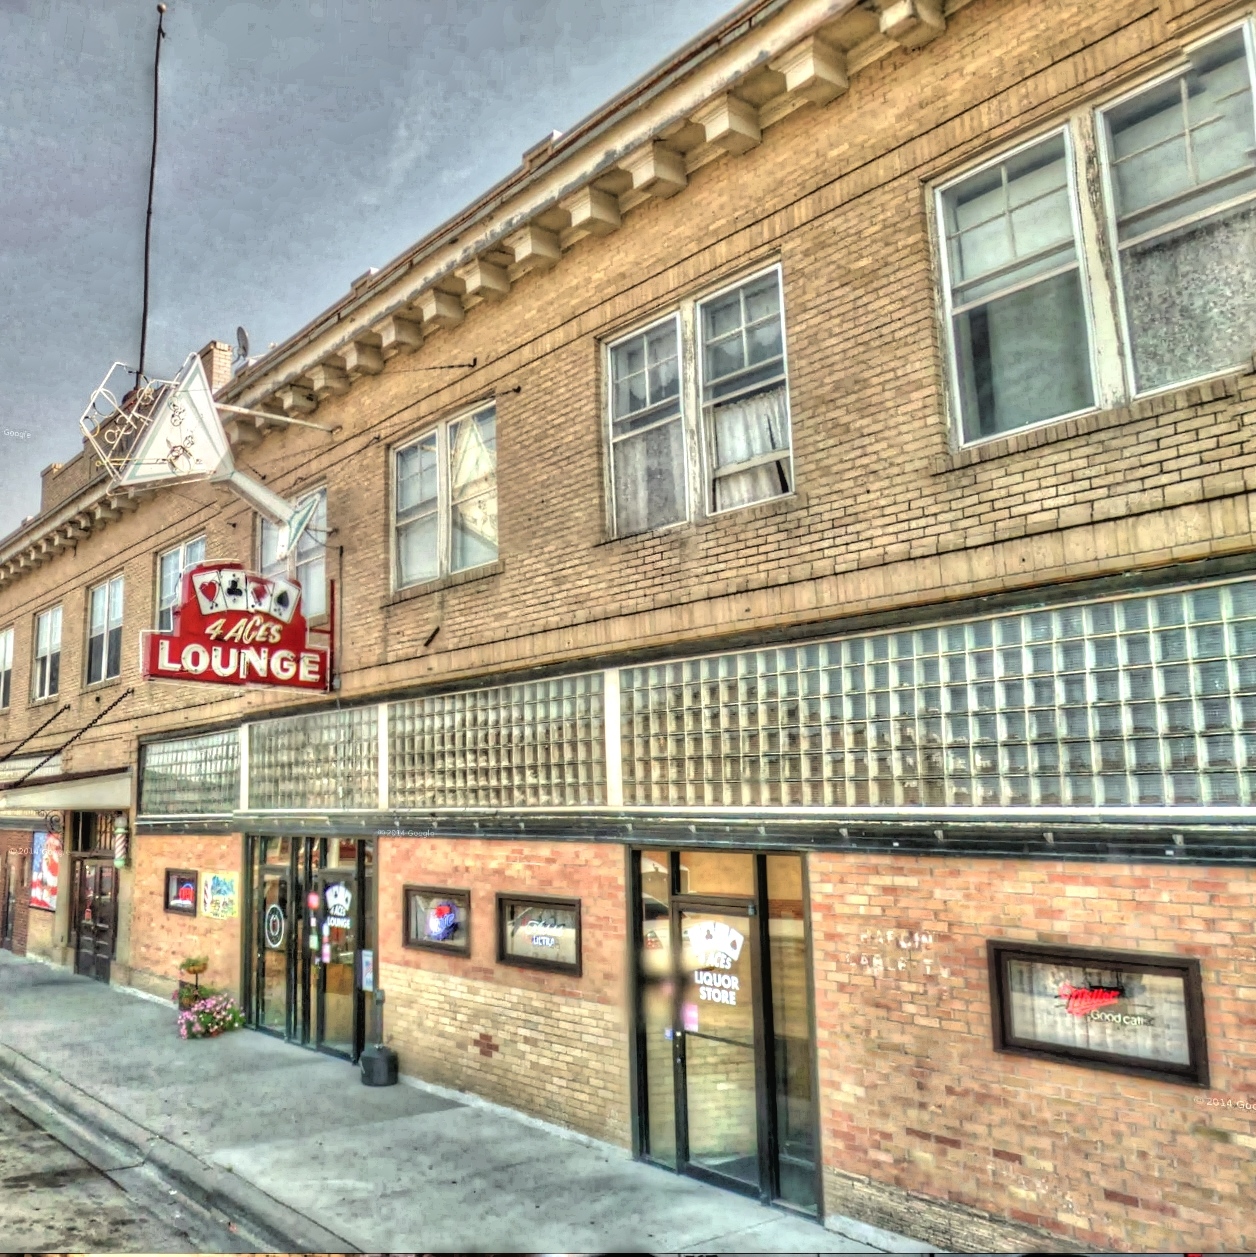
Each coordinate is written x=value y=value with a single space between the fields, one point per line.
x=234 y=627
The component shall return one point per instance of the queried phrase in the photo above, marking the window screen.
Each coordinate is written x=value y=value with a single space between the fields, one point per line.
x=647 y=433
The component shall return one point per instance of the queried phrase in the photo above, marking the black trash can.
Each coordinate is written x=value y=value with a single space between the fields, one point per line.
x=379 y=1063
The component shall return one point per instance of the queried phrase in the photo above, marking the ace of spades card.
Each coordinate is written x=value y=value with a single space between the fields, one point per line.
x=209 y=593
x=234 y=594
x=283 y=600
x=260 y=591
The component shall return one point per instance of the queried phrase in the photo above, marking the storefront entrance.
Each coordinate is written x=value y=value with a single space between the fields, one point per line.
x=14 y=880
x=724 y=1022
x=312 y=940
x=95 y=911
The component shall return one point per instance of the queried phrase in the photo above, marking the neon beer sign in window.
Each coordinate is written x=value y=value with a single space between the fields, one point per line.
x=236 y=627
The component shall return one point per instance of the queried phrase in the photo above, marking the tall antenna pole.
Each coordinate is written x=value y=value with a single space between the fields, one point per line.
x=152 y=171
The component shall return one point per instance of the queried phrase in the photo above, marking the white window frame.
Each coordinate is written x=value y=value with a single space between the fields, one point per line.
x=6 y=667
x=181 y=551
x=293 y=563
x=684 y=359
x=48 y=689
x=444 y=497
x=107 y=587
x=698 y=431
x=1094 y=224
x=1109 y=194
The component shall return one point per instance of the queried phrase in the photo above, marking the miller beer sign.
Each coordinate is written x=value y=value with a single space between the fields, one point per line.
x=234 y=627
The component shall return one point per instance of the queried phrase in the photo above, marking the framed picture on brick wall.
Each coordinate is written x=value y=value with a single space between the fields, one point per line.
x=539 y=932
x=437 y=918
x=182 y=886
x=1126 y=1011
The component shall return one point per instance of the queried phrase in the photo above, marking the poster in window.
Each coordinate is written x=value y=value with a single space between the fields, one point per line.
x=438 y=918
x=1139 y=1013
x=220 y=896
x=181 y=891
x=45 y=870
x=539 y=932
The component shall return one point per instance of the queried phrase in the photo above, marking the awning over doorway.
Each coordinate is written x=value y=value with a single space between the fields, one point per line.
x=94 y=792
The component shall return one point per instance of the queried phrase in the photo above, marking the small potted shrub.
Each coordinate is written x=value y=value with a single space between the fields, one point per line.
x=190 y=993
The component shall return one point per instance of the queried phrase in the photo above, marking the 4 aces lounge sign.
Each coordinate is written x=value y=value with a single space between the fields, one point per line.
x=234 y=627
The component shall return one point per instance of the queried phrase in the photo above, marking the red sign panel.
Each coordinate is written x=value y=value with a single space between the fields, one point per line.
x=234 y=627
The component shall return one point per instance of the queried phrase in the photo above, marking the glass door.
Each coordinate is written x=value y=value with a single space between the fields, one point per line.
x=274 y=960
x=336 y=960
x=717 y=1034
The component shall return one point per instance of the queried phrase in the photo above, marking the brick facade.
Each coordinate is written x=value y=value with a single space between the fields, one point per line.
x=919 y=1111
x=161 y=940
x=550 y=1044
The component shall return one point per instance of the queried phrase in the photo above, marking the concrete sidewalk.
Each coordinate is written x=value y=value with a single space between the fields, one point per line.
x=291 y=1141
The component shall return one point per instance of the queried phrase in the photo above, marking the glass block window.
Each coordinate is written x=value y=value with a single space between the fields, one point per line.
x=328 y=759
x=1141 y=701
x=534 y=745
x=191 y=775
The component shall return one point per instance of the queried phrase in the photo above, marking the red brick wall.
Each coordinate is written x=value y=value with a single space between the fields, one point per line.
x=16 y=842
x=914 y=1096
x=161 y=939
x=550 y=1044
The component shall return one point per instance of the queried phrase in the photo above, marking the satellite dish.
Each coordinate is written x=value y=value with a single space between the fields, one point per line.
x=242 y=345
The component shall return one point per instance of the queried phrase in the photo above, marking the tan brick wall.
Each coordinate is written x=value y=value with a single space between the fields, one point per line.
x=160 y=940
x=885 y=516
x=548 y=1044
x=915 y=1098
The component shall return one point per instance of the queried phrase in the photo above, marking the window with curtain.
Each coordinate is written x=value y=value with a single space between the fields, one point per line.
x=6 y=667
x=47 y=671
x=1019 y=331
x=445 y=514
x=309 y=562
x=170 y=567
x=104 y=632
x=1182 y=173
x=647 y=429
x=744 y=401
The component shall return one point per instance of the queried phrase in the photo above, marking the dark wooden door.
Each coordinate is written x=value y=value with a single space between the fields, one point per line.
x=95 y=910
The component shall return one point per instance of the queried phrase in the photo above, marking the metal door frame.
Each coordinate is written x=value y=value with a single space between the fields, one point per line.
x=765 y=1189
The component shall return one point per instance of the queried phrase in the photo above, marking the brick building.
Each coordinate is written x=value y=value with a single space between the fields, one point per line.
x=796 y=635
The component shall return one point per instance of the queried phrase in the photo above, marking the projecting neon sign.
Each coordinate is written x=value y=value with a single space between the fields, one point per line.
x=234 y=627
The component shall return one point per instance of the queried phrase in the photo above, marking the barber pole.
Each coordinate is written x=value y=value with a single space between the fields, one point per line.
x=236 y=627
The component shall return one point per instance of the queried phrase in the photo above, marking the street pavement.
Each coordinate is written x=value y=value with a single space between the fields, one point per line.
x=291 y=1143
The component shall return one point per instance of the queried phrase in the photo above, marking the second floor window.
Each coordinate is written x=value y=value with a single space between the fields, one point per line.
x=6 y=667
x=445 y=514
x=170 y=567
x=734 y=408
x=104 y=633
x=310 y=560
x=1112 y=258
x=47 y=672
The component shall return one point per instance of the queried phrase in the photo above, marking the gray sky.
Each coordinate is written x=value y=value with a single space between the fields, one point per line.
x=301 y=142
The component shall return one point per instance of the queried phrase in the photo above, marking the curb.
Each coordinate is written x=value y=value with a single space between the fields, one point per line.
x=281 y=1228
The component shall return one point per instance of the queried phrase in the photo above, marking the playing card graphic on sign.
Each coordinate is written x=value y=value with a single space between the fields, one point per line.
x=284 y=599
x=235 y=627
x=260 y=591
x=208 y=586
x=233 y=591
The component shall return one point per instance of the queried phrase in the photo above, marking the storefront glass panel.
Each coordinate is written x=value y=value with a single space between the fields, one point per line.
x=791 y=1031
x=717 y=1015
x=658 y=998
x=717 y=873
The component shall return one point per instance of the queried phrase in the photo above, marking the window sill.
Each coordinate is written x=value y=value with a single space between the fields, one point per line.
x=411 y=592
x=757 y=510
x=108 y=683
x=1198 y=394
x=44 y=702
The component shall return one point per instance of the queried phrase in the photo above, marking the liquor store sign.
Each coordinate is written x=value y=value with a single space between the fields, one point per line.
x=235 y=627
